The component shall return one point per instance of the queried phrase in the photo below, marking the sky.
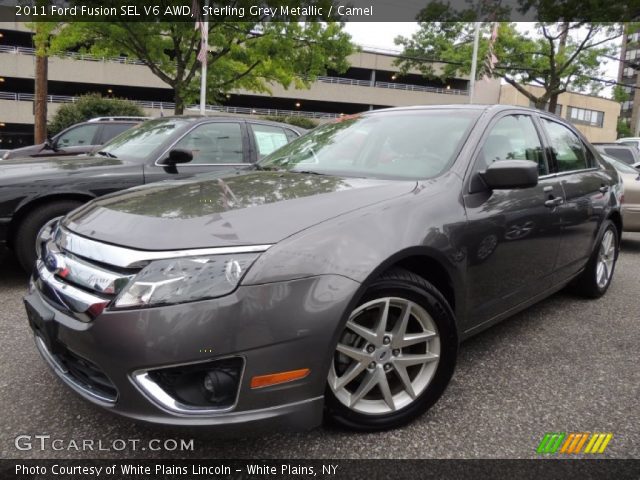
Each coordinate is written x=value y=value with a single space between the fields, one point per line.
x=382 y=34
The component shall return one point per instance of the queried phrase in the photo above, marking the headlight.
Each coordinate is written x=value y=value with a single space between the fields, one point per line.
x=180 y=280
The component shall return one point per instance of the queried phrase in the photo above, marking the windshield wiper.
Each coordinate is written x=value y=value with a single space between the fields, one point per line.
x=104 y=153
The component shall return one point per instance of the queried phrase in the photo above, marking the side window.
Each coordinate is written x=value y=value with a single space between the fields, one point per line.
x=621 y=154
x=82 y=135
x=214 y=143
x=567 y=148
x=268 y=138
x=111 y=130
x=513 y=137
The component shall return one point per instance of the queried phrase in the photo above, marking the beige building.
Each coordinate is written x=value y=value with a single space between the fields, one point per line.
x=595 y=117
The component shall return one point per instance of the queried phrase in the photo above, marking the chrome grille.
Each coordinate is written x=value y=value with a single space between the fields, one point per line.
x=78 y=286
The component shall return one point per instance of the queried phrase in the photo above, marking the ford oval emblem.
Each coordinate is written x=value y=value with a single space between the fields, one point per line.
x=51 y=263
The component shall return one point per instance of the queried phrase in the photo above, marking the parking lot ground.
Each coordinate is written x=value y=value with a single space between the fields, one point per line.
x=564 y=365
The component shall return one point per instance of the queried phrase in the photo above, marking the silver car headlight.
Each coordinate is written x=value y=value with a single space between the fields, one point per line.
x=188 y=279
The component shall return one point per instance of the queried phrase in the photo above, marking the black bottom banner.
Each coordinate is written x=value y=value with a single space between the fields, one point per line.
x=206 y=469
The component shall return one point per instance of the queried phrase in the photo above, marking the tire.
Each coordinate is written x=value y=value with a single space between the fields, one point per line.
x=589 y=283
x=24 y=243
x=395 y=292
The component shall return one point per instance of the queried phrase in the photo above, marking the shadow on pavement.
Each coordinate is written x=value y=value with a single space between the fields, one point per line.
x=10 y=271
x=630 y=243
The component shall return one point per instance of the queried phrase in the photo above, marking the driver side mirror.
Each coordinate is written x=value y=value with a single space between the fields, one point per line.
x=50 y=144
x=175 y=157
x=508 y=174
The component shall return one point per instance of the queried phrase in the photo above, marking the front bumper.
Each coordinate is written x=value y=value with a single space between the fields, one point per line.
x=273 y=327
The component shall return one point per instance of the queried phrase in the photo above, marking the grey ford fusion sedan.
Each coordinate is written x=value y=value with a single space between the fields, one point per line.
x=336 y=278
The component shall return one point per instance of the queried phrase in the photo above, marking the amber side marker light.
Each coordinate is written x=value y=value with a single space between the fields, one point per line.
x=277 y=378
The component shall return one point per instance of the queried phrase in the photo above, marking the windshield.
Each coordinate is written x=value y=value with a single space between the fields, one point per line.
x=397 y=145
x=620 y=166
x=138 y=142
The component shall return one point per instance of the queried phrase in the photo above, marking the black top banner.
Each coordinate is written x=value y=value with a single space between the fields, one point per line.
x=318 y=10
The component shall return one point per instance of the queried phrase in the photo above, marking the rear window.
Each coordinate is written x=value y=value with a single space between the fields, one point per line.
x=623 y=154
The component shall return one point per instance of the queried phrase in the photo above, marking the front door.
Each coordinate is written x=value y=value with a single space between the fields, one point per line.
x=216 y=146
x=512 y=235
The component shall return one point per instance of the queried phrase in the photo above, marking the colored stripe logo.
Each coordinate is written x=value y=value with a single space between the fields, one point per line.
x=573 y=443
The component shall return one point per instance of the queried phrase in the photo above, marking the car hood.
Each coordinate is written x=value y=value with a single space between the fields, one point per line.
x=244 y=208
x=30 y=169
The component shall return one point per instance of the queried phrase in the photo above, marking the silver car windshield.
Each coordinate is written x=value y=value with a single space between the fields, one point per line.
x=138 y=142
x=398 y=145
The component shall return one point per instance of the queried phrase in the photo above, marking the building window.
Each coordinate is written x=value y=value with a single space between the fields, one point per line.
x=586 y=117
x=546 y=109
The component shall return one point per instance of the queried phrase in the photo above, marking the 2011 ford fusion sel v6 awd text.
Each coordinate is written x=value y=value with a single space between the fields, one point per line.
x=336 y=277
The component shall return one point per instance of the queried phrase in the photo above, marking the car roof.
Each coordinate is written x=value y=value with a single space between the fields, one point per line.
x=226 y=118
x=456 y=106
x=611 y=144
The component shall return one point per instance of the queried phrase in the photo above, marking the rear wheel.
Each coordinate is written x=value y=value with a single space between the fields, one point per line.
x=594 y=281
x=395 y=356
x=24 y=243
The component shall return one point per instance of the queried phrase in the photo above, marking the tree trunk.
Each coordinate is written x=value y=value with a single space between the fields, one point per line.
x=40 y=102
x=179 y=101
x=553 y=103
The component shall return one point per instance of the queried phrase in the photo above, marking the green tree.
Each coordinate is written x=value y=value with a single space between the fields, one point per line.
x=557 y=56
x=302 y=122
x=91 y=106
x=623 y=128
x=248 y=55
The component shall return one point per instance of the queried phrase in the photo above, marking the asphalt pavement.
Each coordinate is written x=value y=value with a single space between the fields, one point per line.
x=564 y=365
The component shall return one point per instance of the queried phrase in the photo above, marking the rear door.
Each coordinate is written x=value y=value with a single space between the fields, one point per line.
x=266 y=139
x=585 y=186
x=512 y=235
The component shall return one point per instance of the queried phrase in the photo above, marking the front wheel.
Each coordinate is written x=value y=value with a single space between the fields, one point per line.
x=395 y=356
x=28 y=229
x=594 y=281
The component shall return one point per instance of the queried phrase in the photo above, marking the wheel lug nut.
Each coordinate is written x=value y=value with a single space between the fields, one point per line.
x=387 y=366
x=372 y=365
x=396 y=352
x=386 y=340
x=371 y=349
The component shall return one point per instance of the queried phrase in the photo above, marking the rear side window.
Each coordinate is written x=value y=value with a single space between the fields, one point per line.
x=111 y=130
x=78 y=136
x=268 y=138
x=566 y=147
x=513 y=137
x=621 y=154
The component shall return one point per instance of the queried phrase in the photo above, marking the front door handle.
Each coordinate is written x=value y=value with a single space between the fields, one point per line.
x=604 y=188
x=553 y=202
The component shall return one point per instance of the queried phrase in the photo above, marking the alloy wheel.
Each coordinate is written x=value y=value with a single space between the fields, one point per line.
x=386 y=356
x=606 y=257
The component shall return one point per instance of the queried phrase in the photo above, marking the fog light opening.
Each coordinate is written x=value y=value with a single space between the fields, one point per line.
x=198 y=387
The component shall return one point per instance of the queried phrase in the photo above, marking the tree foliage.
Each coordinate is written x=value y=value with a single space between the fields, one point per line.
x=556 y=56
x=91 y=106
x=242 y=55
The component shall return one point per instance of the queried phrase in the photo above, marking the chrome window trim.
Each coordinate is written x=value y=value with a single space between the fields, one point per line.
x=64 y=375
x=155 y=393
x=131 y=258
